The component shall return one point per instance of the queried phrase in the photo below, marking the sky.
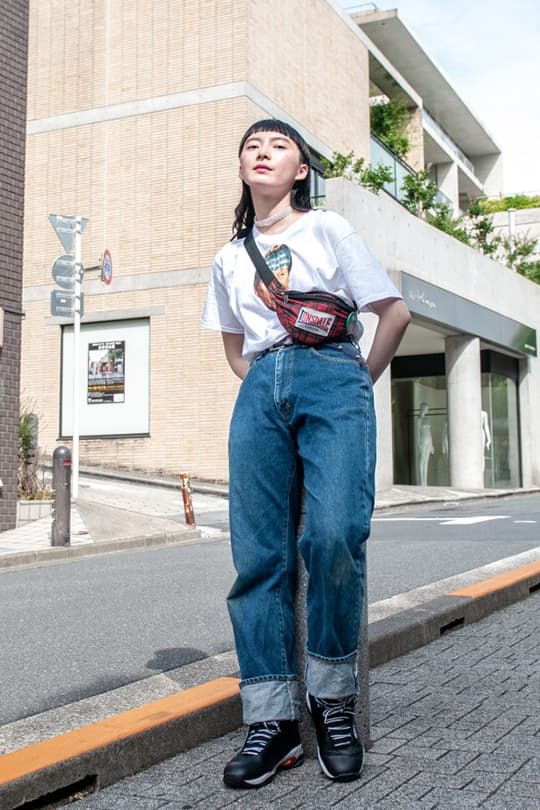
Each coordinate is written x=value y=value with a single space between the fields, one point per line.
x=490 y=53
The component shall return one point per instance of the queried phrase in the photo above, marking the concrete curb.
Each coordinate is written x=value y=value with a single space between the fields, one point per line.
x=19 y=559
x=398 y=634
x=103 y=753
x=204 y=487
x=94 y=756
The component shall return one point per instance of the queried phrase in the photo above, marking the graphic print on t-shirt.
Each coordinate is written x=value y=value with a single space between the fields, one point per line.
x=279 y=261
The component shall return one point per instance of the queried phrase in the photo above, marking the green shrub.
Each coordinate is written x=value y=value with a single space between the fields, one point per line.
x=518 y=201
x=354 y=169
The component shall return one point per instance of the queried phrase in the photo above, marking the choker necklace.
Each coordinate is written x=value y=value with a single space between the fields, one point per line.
x=265 y=223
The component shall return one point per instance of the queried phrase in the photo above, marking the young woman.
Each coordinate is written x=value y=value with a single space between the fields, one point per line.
x=304 y=417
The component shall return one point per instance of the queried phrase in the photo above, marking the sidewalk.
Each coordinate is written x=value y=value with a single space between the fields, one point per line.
x=149 y=511
x=455 y=725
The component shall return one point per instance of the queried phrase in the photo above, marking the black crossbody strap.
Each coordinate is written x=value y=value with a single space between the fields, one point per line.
x=258 y=260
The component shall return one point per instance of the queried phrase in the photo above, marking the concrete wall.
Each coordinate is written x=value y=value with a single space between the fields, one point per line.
x=13 y=48
x=405 y=243
x=526 y=224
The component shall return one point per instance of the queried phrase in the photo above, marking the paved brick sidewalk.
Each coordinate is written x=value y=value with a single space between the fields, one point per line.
x=456 y=724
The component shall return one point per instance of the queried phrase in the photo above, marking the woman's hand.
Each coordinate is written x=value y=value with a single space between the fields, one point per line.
x=233 y=352
x=394 y=317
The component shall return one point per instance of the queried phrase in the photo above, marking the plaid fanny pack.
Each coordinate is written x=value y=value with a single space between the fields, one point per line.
x=309 y=317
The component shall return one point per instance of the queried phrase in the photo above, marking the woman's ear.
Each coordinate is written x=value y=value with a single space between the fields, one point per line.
x=302 y=171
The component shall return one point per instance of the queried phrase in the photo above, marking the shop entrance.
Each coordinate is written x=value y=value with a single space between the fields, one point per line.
x=500 y=421
x=420 y=421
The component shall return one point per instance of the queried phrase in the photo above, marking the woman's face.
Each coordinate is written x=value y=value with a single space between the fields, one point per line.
x=271 y=161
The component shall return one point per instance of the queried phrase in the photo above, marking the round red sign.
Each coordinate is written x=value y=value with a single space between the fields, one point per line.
x=106 y=267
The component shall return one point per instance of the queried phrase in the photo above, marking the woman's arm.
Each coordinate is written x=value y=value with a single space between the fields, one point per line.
x=394 y=317
x=233 y=352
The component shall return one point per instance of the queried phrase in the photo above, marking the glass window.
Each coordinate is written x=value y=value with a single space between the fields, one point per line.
x=420 y=431
x=500 y=430
x=317 y=181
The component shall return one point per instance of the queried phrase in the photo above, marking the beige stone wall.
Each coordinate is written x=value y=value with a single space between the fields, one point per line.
x=192 y=389
x=160 y=188
x=306 y=59
x=191 y=393
x=88 y=54
x=170 y=199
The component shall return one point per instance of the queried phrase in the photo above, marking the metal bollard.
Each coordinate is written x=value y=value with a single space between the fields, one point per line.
x=61 y=525
x=188 y=505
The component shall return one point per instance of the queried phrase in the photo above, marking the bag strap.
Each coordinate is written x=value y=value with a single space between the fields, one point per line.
x=256 y=257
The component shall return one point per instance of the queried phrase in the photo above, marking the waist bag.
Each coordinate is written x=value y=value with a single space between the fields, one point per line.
x=309 y=317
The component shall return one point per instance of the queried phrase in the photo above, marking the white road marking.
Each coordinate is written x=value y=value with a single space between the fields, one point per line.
x=467 y=521
x=525 y=521
x=460 y=521
x=389 y=520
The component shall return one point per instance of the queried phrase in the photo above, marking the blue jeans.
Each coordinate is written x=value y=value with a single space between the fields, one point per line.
x=304 y=417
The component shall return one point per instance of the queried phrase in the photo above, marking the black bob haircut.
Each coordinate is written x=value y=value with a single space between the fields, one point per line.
x=244 y=212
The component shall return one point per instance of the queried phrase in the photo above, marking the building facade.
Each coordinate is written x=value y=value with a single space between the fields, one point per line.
x=140 y=133
x=13 y=47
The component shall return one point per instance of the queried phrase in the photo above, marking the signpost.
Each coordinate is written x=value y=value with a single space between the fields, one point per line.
x=67 y=272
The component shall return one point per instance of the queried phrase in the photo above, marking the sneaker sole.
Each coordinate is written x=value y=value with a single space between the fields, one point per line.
x=293 y=759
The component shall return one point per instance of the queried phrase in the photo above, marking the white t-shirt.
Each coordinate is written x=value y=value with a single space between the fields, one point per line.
x=319 y=251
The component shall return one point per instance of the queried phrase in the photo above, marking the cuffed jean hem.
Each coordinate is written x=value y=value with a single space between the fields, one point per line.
x=331 y=679
x=270 y=700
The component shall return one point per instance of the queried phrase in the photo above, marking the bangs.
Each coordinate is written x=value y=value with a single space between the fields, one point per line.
x=275 y=125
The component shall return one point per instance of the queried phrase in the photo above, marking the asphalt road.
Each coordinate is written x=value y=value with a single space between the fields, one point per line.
x=86 y=626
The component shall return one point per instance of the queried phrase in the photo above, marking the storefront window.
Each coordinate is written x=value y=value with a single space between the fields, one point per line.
x=501 y=431
x=420 y=431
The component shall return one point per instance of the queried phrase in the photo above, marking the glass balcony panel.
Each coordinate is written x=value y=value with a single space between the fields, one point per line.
x=382 y=156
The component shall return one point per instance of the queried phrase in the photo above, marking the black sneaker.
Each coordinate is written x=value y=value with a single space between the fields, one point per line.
x=268 y=748
x=340 y=750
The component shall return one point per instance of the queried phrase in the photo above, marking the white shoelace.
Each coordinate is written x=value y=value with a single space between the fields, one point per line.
x=259 y=736
x=339 y=720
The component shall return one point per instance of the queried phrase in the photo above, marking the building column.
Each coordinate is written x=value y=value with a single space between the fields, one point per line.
x=447 y=180
x=464 y=388
x=382 y=393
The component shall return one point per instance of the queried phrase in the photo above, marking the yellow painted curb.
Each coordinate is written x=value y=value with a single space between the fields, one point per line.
x=499 y=582
x=75 y=743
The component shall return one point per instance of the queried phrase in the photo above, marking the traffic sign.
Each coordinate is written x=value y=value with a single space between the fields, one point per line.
x=63 y=303
x=65 y=228
x=106 y=267
x=64 y=271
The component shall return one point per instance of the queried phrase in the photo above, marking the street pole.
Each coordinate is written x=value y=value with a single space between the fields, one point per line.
x=76 y=360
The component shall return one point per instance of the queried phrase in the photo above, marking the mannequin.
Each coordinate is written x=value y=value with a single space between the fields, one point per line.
x=424 y=443
x=486 y=437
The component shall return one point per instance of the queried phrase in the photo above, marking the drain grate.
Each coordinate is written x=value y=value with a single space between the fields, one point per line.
x=62 y=796
x=453 y=625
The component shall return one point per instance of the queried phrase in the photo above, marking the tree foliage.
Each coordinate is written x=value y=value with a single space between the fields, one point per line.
x=389 y=120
